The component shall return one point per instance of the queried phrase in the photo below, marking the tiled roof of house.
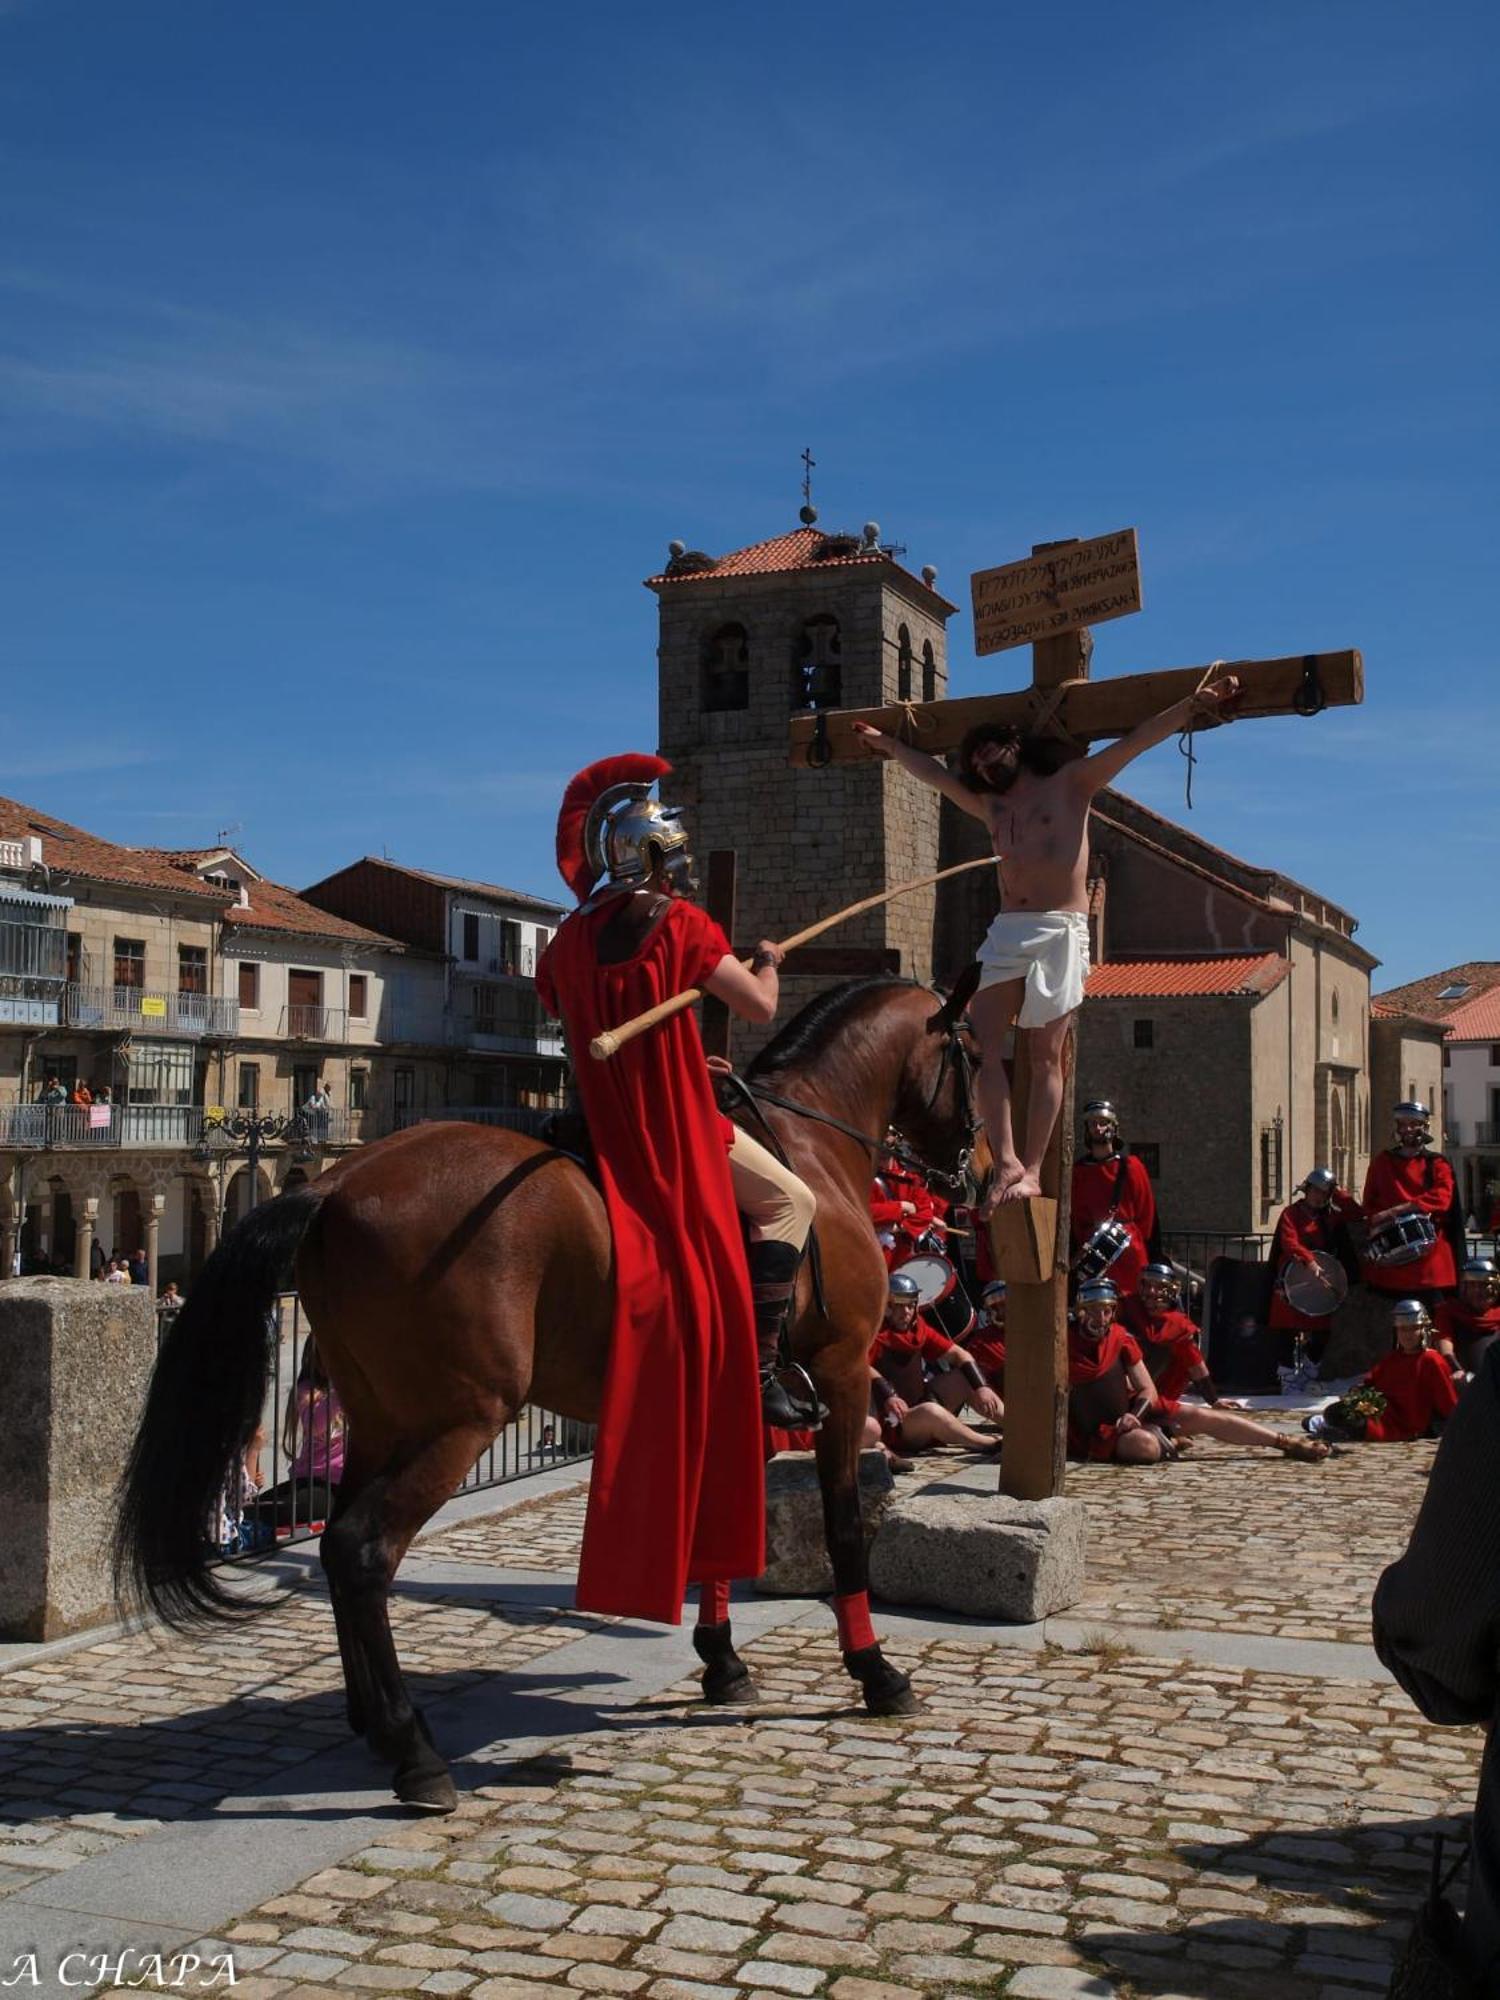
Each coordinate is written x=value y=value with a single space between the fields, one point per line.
x=1424 y=997
x=273 y=908
x=1383 y=1010
x=1254 y=973
x=1476 y=1020
x=803 y=548
x=68 y=850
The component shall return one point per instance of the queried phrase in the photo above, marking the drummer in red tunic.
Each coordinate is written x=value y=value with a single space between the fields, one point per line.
x=1416 y=1382
x=1111 y=1185
x=1316 y=1223
x=1468 y=1325
x=1408 y=1178
x=902 y=1207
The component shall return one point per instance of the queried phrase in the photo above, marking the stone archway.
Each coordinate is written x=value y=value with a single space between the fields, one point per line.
x=127 y=1220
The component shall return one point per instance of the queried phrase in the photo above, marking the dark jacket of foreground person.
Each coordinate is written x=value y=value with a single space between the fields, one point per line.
x=1437 y=1627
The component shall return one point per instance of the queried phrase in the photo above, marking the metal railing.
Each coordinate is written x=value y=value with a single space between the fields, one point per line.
x=518 y=1117
x=1486 y=1133
x=45 y=1127
x=146 y=1012
x=34 y=951
x=508 y=965
x=313 y=1024
x=281 y=1497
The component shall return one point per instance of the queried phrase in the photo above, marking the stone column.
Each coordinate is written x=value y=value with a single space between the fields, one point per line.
x=210 y=1218
x=83 y=1261
x=75 y=1360
x=155 y=1208
x=10 y=1230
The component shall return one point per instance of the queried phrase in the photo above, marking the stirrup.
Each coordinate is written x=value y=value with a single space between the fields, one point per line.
x=808 y=1412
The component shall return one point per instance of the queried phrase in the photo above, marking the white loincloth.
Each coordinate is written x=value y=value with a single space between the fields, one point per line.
x=1049 y=949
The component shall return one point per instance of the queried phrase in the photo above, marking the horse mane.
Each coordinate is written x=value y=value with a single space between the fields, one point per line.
x=809 y=1032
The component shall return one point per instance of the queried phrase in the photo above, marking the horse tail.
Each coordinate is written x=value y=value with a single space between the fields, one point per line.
x=202 y=1409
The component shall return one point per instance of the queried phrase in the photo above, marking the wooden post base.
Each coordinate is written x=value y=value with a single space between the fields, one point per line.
x=1023 y=1237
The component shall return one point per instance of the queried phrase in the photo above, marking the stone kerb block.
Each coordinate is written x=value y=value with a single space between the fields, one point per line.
x=75 y=1359
x=797 y=1562
x=981 y=1553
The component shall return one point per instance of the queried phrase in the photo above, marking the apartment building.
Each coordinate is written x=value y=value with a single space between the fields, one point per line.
x=147 y=996
x=505 y=1059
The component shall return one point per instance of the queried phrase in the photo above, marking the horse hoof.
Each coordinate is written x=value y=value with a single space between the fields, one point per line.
x=427 y=1791
x=886 y=1690
x=730 y=1690
x=897 y=1699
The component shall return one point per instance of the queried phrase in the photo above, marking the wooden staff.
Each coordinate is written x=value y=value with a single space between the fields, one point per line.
x=602 y=1047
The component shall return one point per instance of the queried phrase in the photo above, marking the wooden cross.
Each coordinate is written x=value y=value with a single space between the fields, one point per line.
x=1030 y=1238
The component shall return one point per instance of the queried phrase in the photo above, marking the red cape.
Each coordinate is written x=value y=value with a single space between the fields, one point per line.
x=678 y=1488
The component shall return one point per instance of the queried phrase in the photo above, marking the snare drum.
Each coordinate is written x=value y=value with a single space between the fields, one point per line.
x=1102 y=1247
x=1313 y=1291
x=1406 y=1234
x=943 y=1298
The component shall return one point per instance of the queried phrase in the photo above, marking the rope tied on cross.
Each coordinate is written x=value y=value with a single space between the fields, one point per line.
x=1204 y=714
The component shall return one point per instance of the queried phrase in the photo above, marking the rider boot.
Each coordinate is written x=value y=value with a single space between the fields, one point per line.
x=773 y=1285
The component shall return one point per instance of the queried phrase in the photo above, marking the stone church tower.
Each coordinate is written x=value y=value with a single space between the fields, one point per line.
x=805 y=620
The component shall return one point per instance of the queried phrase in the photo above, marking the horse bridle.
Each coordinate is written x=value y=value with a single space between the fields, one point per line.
x=955 y=1055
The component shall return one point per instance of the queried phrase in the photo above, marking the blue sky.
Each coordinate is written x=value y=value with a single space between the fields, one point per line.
x=357 y=362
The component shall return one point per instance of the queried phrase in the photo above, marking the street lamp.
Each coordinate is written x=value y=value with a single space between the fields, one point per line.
x=230 y=1133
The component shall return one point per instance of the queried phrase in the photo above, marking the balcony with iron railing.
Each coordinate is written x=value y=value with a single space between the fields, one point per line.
x=44 y=1128
x=139 y=1011
x=33 y=951
x=301 y=1023
x=518 y=964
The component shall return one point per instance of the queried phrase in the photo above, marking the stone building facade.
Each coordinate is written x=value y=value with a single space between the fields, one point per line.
x=806 y=620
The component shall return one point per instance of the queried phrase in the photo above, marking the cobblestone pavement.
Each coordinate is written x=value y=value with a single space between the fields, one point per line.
x=104 y=1743
x=1053 y=1824
x=1048 y=1821
x=1247 y=1541
x=1242 y=1541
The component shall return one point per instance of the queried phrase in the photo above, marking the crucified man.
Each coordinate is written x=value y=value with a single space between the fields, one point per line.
x=1035 y=955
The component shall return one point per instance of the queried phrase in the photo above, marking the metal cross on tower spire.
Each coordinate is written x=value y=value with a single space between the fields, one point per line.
x=809 y=511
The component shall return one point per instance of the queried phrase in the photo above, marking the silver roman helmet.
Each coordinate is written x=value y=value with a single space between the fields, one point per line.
x=1101 y=1119
x=630 y=835
x=1411 y=1312
x=1322 y=1180
x=1158 y=1285
x=903 y=1291
x=1413 y=1122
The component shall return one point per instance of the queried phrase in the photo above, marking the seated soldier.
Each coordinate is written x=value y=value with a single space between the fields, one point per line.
x=1116 y=1412
x=1467 y=1325
x=985 y=1344
x=1168 y=1339
x=1408 y=1394
x=902 y=1354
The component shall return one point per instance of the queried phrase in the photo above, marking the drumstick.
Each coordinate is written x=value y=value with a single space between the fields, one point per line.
x=604 y=1045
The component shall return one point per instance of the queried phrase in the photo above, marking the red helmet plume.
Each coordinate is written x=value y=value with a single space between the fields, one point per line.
x=634 y=767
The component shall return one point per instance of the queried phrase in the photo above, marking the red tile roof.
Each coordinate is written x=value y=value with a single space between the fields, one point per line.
x=1178 y=978
x=801 y=549
x=1423 y=997
x=68 y=850
x=1476 y=1020
x=273 y=908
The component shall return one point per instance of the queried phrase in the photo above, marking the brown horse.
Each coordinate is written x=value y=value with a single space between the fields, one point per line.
x=453 y=1273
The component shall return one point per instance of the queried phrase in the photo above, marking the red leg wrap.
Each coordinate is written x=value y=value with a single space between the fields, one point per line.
x=713 y=1603
x=853 y=1613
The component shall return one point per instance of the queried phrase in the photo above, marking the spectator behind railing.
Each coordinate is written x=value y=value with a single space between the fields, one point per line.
x=313 y=1434
x=51 y=1092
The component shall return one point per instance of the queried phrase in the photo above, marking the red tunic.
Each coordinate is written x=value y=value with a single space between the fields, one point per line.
x=1169 y=1347
x=1426 y=1180
x=1464 y=1328
x=1417 y=1388
x=1094 y=1201
x=892 y=1187
x=1303 y=1228
x=678 y=1489
x=1090 y=1361
x=987 y=1345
